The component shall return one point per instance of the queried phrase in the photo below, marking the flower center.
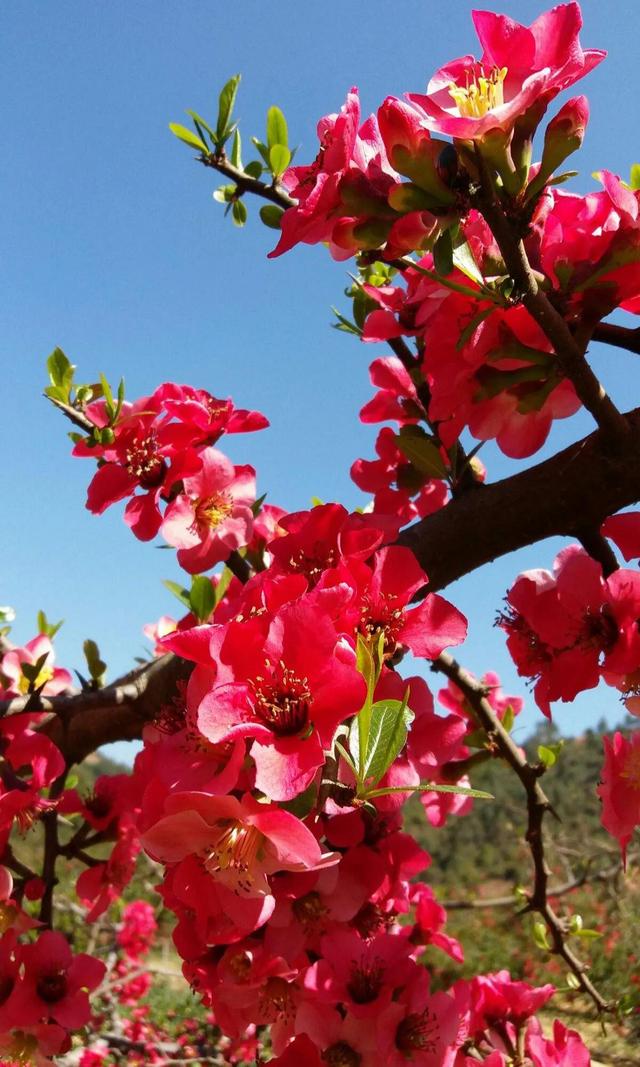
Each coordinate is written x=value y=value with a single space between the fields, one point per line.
x=144 y=463
x=313 y=564
x=341 y=1055
x=418 y=1032
x=283 y=705
x=631 y=770
x=276 y=1000
x=482 y=92
x=234 y=855
x=52 y=987
x=366 y=981
x=240 y=965
x=22 y=1048
x=370 y=920
x=310 y=913
x=211 y=511
x=382 y=618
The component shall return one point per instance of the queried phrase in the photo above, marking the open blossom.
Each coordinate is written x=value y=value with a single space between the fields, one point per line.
x=55 y=984
x=342 y=196
x=569 y=628
x=521 y=69
x=213 y=516
x=240 y=842
x=288 y=688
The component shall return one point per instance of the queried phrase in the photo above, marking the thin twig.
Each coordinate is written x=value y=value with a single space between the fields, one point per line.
x=246 y=184
x=567 y=350
x=537 y=807
x=618 y=336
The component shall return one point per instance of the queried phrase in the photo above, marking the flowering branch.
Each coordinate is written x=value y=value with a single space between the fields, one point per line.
x=537 y=806
x=567 y=350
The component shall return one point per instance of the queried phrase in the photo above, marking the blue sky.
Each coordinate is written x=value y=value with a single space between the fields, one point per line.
x=114 y=249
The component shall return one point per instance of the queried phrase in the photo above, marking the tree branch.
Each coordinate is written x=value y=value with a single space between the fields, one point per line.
x=568 y=352
x=537 y=807
x=618 y=336
x=246 y=184
x=574 y=490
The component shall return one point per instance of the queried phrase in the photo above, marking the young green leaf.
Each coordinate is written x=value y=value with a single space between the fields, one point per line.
x=279 y=157
x=225 y=109
x=97 y=667
x=271 y=214
x=421 y=451
x=202 y=599
x=239 y=212
x=178 y=591
x=188 y=137
x=277 y=133
x=390 y=721
x=443 y=253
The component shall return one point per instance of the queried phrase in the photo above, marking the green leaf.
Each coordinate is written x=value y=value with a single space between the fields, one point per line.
x=279 y=157
x=202 y=124
x=431 y=787
x=202 y=598
x=236 y=150
x=46 y=627
x=421 y=451
x=32 y=670
x=271 y=215
x=60 y=372
x=254 y=169
x=277 y=133
x=178 y=591
x=225 y=194
x=540 y=936
x=508 y=718
x=222 y=585
x=97 y=667
x=108 y=398
x=634 y=176
x=344 y=324
x=390 y=722
x=225 y=108
x=443 y=253
x=303 y=804
x=588 y=935
x=463 y=259
x=256 y=507
x=263 y=150
x=239 y=212
x=548 y=754
x=188 y=137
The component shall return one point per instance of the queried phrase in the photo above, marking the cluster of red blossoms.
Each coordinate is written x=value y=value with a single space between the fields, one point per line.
x=271 y=788
x=159 y=452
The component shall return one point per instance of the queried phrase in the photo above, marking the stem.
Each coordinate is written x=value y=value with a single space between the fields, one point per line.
x=568 y=353
x=618 y=336
x=247 y=184
x=537 y=806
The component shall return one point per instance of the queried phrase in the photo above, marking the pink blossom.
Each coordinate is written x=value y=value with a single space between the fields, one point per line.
x=520 y=71
x=213 y=516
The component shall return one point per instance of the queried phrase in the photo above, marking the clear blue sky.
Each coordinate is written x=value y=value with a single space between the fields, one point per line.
x=114 y=250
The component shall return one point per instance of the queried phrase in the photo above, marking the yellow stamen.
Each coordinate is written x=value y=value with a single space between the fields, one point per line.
x=234 y=855
x=212 y=510
x=44 y=676
x=483 y=93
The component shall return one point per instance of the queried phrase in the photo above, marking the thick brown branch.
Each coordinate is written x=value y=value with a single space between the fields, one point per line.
x=247 y=184
x=574 y=490
x=84 y=721
x=537 y=806
x=618 y=336
x=568 y=352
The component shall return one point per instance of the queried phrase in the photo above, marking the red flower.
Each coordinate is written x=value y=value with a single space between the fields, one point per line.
x=520 y=71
